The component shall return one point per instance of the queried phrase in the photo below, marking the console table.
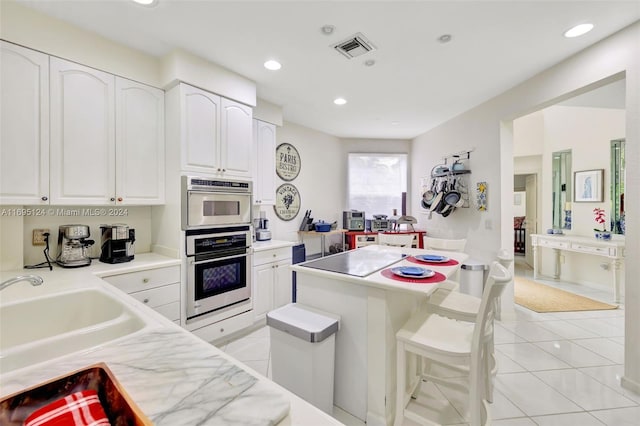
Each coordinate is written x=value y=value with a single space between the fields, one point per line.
x=322 y=236
x=612 y=250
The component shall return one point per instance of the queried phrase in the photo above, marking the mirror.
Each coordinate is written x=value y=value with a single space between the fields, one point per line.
x=562 y=189
x=618 y=223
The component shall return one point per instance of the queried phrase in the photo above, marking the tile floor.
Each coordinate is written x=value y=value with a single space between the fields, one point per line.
x=555 y=369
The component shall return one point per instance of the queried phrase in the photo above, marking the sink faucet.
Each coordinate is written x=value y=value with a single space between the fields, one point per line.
x=33 y=279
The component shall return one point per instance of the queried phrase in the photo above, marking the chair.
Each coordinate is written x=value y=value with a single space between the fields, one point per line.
x=431 y=243
x=464 y=307
x=456 y=344
x=396 y=240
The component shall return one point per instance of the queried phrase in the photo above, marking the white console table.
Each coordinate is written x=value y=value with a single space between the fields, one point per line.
x=612 y=250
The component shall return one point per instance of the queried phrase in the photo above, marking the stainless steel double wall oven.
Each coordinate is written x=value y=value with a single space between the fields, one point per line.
x=216 y=218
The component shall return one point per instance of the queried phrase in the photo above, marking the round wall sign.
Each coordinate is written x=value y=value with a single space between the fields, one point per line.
x=287 y=201
x=287 y=161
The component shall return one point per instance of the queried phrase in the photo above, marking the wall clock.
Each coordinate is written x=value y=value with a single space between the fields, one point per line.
x=287 y=162
x=287 y=201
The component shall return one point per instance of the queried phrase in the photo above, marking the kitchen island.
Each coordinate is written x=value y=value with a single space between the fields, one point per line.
x=373 y=305
x=173 y=376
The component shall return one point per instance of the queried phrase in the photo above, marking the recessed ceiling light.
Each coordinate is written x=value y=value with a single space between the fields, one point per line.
x=445 y=38
x=395 y=123
x=578 y=30
x=146 y=2
x=327 y=29
x=369 y=62
x=339 y=101
x=272 y=65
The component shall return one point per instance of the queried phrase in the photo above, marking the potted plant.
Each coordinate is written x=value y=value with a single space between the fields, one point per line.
x=600 y=217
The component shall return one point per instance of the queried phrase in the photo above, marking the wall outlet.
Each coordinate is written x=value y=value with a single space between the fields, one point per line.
x=38 y=237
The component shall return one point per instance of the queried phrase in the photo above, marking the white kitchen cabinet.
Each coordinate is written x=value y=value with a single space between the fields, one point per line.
x=214 y=133
x=24 y=126
x=158 y=288
x=107 y=138
x=272 y=284
x=139 y=143
x=264 y=163
x=82 y=145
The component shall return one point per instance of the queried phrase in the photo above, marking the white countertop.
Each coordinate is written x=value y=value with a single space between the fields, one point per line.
x=376 y=279
x=175 y=377
x=271 y=244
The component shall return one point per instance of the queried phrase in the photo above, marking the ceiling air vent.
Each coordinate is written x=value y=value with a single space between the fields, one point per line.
x=355 y=45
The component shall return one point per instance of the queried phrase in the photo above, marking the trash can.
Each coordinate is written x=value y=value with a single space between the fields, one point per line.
x=472 y=277
x=303 y=352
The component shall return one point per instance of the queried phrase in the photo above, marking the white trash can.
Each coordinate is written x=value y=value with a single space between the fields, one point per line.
x=472 y=277
x=303 y=352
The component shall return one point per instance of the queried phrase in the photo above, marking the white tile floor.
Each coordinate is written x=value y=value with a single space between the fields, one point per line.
x=555 y=369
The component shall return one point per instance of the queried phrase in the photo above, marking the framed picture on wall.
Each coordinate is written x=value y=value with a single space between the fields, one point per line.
x=588 y=186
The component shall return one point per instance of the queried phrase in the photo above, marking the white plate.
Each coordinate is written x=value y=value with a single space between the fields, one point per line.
x=431 y=258
x=401 y=271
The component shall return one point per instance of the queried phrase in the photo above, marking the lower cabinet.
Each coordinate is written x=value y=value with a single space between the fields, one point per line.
x=158 y=288
x=272 y=285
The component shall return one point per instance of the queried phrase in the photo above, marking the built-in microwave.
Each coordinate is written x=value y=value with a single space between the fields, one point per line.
x=210 y=202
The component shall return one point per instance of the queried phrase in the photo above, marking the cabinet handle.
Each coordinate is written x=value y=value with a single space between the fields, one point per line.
x=219 y=169
x=44 y=198
x=221 y=330
x=146 y=300
x=145 y=280
x=224 y=170
x=119 y=199
x=112 y=199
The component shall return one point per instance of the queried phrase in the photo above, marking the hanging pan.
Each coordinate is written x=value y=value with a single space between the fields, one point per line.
x=429 y=196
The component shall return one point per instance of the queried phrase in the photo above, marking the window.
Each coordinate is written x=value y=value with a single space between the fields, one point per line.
x=376 y=182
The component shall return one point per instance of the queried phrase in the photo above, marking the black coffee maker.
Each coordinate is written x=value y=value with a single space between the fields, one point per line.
x=117 y=243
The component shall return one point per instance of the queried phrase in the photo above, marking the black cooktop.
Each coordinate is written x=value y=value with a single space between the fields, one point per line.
x=359 y=263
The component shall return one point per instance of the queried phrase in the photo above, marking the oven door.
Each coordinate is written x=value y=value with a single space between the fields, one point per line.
x=209 y=208
x=217 y=283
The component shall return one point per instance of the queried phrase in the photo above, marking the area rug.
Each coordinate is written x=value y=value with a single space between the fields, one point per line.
x=543 y=298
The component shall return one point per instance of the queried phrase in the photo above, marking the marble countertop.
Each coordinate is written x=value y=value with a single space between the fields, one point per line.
x=376 y=279
x=173 y=376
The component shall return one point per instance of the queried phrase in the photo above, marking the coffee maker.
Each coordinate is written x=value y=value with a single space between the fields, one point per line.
x=73 y=246
x=117 y=243
x=262 y=230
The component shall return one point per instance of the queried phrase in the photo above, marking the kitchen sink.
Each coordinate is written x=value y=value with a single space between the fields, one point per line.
x=47 y=327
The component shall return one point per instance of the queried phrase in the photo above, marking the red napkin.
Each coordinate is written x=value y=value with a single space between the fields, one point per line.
x=79 y=409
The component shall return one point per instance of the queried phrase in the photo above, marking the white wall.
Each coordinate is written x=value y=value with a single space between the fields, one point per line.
x=488 y=127
x=320 y=182
x=29 y=28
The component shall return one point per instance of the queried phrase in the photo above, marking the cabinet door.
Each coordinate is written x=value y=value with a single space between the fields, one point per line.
x=82 y=134
x=24 y=126
x=200 y=130
x=236 y=138
x=264 y=150
x=263 y=279
x=139 y=143
x=282 y=287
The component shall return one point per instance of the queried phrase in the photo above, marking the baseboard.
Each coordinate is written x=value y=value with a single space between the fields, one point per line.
x=629 y=384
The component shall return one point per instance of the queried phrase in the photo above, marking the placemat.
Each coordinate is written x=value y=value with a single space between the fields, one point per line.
x=450 y=262
x=438 y=277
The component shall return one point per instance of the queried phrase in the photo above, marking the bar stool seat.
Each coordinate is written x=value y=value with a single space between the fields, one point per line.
x=457 y=344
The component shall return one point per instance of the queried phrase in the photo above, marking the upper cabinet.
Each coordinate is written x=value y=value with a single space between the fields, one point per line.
x=82 y=134
x=139 y=143
x=264 y=150
x=214 y=133
x=73 y=135
x=24 y=126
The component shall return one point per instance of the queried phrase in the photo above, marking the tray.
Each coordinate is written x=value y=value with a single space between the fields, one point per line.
x=117 y=404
